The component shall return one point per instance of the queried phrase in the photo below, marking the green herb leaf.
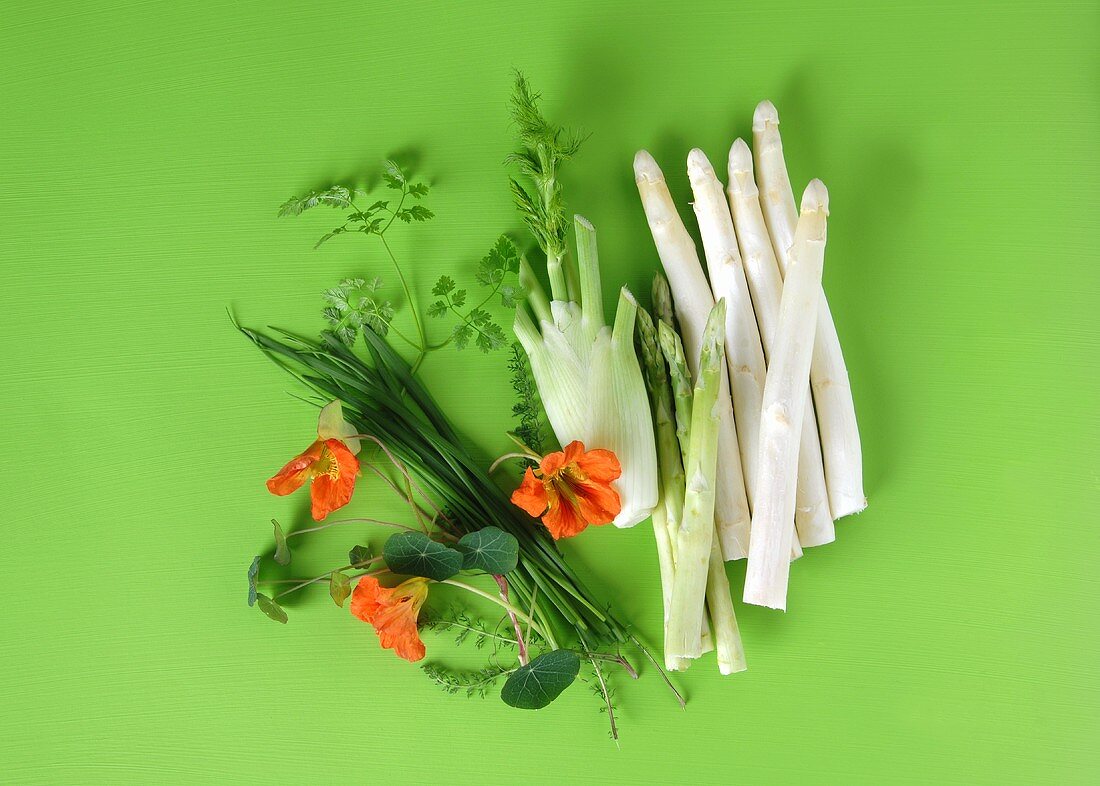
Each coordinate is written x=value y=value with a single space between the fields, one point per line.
x=339 y=587
x=511 y=295
x=458 y=298
x=336 y=196
x=415 y=554
x=354 y=303
x=462 y=335
x=253 y=572
x=528 y=406
x=535 y=685
x=418 y=190
x=491 y=337
x=358 y=555
x=443 y=286
x=438 y=309
x=416 y=213
x=329 y=236
x=490 y=549
x=282 y=551
x=271 y=608
x=502 y=259
x=544 y=148
x=393 y=176
x=479 y=317
x=472 y=683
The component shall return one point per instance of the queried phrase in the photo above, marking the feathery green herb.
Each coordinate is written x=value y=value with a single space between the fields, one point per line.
x=472 y=683
x=545 y=148
x=497 y=271
x=528 y=407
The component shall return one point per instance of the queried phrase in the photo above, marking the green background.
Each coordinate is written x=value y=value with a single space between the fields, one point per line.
x=949 y=635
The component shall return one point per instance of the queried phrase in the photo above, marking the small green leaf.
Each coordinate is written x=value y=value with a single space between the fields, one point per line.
x=420 y=213
x=282 y=551
x=437 y=309
x=393 y=176
x=415 y=554
x=337 y=296
x=511 y=295
x=337 y=196
x=271 y=608
x=479 y=317
x=491 y=337
x=418 y=190
x=253 y=572
x=502 y=259
x=444 y=285
x=358 y=555
x=462 y=335
x=339 y=587
x=489 y=549
x=458 y=299
x=535 y=685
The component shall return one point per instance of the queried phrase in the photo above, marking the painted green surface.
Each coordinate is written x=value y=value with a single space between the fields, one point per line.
x=950 y=635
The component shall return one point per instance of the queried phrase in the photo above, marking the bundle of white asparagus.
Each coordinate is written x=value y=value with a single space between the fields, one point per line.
x=786 y=459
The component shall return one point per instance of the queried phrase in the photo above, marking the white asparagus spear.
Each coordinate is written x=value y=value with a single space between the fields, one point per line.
x=693 y=302
x=812 y=517
x=744 y=356
x=784 y=407
x=836 y=413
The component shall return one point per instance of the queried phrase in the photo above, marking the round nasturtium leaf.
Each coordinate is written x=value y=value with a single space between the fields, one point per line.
x=535 y=685
x=415 y=554
x=490 y=549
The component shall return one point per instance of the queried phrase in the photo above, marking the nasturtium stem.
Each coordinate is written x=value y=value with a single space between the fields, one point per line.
x=324 y=576
x=506 y=456
x=521 y=647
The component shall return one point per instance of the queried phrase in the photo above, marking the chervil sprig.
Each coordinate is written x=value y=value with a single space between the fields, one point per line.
x=497 y=272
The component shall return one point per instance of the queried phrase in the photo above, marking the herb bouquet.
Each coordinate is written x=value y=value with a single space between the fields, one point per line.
x=377 y=417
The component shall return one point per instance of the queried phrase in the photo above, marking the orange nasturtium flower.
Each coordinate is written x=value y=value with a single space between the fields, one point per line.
x=571 y=489
x=329 y=464
x=392 y=612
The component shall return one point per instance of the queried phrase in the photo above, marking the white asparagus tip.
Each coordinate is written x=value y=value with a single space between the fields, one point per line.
x=699 y=164
x=740 y=157
x=645 y=168
x=584 y=222
x=815 y=197
x=765 y=113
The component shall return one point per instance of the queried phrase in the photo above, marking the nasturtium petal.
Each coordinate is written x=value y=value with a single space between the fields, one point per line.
x=535 y=685
x=415 y=554
x=490 y=549
x=331 y=425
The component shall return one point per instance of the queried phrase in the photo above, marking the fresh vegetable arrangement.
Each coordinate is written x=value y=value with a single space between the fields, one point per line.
x=723 y=414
